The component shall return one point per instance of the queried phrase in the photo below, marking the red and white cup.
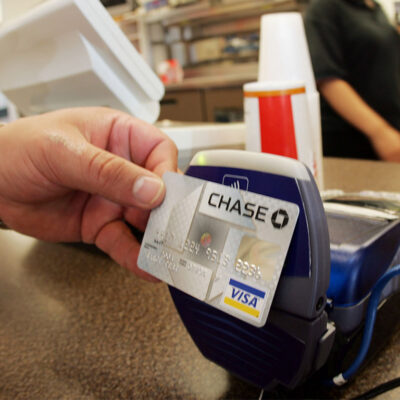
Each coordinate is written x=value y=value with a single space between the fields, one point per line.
x=277 y=120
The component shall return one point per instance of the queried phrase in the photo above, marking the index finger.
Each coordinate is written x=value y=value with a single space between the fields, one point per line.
x=144 y=144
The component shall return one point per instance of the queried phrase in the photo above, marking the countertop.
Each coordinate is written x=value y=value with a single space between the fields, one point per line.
x=74 y=325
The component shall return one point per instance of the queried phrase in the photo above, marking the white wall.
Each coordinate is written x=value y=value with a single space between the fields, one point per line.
x=11 y=9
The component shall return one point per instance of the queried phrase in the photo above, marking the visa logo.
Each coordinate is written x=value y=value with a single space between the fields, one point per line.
x=244 y=298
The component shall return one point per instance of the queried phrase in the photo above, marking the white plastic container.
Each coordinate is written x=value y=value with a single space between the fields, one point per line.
x=191 y=138
x=68 y=53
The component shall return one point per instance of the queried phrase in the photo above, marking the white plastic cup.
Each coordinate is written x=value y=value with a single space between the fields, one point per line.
x=277 y=120
x=284 y=53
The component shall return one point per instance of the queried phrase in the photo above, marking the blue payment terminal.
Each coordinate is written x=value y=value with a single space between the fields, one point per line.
x=335 y=257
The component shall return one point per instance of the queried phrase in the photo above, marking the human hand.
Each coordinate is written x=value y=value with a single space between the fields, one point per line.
x=80 y=174
x=386 y=143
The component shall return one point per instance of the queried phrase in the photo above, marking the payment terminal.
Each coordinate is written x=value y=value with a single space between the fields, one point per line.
x=339 y=252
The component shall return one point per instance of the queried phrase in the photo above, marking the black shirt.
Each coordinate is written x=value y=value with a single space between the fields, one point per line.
x=351 y=41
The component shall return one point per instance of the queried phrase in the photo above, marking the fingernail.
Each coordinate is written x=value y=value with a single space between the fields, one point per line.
x=147 y=190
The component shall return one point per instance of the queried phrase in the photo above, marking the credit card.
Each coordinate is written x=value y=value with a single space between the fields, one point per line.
x=220 y=244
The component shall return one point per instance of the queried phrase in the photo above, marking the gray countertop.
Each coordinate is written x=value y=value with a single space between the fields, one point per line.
x=74 y=325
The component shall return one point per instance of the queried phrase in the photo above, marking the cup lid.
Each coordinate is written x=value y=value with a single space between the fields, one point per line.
x=274 y=86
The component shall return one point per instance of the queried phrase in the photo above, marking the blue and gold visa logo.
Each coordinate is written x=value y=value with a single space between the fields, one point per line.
x=244 y=298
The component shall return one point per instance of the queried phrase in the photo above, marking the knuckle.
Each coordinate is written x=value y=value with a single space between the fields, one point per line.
x=170 y=147
x=105 y=168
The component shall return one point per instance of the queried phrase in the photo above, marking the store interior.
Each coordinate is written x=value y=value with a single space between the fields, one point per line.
x=77 y=326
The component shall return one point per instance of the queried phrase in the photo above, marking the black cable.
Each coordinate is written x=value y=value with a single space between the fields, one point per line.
x=383 y=388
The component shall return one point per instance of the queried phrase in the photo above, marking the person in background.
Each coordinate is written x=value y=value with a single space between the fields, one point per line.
x=355 y=54
x=80 y=175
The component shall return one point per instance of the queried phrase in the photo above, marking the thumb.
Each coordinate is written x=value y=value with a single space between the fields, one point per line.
x=100 y=172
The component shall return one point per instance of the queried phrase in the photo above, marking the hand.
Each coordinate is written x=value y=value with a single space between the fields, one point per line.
x=79 y=174
x=386 y=143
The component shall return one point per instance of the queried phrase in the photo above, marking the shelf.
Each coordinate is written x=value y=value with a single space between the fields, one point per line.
x=233 y=58
x=231 y=80
x=180 y=13
x=207 y=18
x=133 y=36
x=204 y=10
x=242 y=25
x=130 y=17
x=208 y=14
x=210 y=36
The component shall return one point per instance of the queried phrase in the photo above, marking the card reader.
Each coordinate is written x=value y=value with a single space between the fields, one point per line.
x=324 y=286
x=296 y=335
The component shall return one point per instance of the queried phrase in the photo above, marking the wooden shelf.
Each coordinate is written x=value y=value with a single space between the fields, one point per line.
x=233 y=11
x=206 y=11
x=207 y=18
x=133 y=36
x=234 y=58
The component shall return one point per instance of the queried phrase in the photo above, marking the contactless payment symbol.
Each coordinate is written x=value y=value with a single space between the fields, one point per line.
x=242 y=298
x=236 y=181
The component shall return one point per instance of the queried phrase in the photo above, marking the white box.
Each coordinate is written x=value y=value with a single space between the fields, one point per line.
x=192 y=138
x=68 y=53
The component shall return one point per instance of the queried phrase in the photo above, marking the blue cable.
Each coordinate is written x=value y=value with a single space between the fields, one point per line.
x=373 y=304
